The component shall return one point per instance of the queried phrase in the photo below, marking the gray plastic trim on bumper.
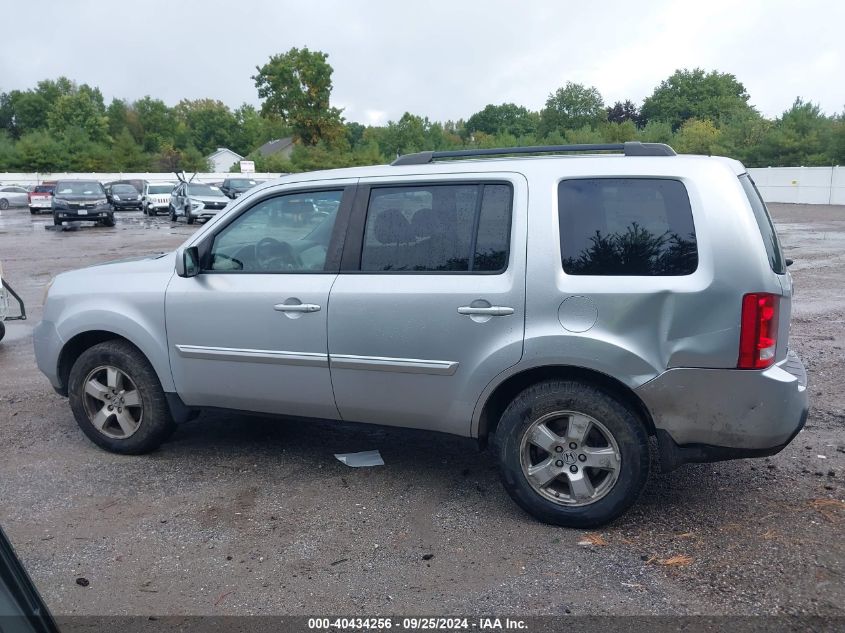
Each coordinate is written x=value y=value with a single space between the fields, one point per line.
x=739 y=409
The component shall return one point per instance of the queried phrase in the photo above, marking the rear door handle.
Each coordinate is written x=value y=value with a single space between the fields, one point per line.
x=296 y=307
x=488 y=311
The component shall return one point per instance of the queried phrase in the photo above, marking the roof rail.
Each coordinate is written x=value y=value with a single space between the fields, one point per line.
x=629 y=148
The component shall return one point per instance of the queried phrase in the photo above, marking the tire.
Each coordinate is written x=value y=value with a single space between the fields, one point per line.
x=2 y=330
x=33 y=211
x=561 y=406
x=4 y=204
x=189 y=218
x=172 y=211
x=151 y=422
x=109 y=221
x=56 y=221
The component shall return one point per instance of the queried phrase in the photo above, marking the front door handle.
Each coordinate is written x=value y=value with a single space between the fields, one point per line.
x=486 y=311
x=296 y=307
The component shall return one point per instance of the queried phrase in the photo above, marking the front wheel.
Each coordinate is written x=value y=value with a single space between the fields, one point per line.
x=571 y=454
x=189 y=218
x=117 y=399
x=2 y=330
x=109 y=221
x=56 y=221
x=4 y=204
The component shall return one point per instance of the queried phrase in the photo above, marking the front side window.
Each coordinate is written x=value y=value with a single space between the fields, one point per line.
x=284 y=234
x=626 y=226
x=438 y=228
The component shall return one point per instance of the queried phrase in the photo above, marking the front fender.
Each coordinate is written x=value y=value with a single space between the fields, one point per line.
x=139 y=323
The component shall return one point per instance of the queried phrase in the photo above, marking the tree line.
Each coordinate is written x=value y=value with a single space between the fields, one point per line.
x=59 y=125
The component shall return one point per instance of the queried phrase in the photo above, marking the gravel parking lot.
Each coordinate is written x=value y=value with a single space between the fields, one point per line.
x=246 y=515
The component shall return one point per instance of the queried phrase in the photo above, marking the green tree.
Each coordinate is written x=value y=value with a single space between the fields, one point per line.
x=127 y=155
x=210 y=123
x=8 y=152
x=39 y=151
x=620 y=112
x=82 y=110
x=800 y=136
x=117 y=115
x=741 y=136
x=155 y=122
x=697 y=137
x=572 y=107
x=296 y=87
x=688 y=94
x=507 y=118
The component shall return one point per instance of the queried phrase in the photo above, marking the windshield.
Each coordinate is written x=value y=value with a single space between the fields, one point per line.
x=44 y=189
x=123 y=189
x=204 y=190
x=79 y=188
x=160 y=189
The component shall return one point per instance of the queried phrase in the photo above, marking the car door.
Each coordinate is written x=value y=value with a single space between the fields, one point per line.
x=429 y=305
x=249 y=331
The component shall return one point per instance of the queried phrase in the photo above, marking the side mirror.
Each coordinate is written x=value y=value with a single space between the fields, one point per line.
x=188 y=265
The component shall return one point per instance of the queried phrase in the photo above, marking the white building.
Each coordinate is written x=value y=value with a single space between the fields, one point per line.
x=223 y=159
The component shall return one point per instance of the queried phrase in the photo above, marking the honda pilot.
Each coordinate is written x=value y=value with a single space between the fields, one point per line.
x=578 y=312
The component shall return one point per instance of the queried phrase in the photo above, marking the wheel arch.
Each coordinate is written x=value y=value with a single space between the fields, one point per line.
x=76 y=346
x=510 y=387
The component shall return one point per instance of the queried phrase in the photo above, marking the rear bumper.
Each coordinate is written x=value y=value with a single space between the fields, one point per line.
x=128 y=204
x=715 y=414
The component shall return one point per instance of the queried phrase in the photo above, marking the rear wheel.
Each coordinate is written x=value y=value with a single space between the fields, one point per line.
x=2 y=330
x=571 y=454
x=172 y=213
x=117 y=399
x=57 y=221
x=33 y=211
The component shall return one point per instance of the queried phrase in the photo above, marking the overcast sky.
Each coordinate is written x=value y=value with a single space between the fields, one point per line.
x=441 y=59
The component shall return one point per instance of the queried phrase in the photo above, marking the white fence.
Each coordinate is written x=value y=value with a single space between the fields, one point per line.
x=807 y=185
x=37 y=178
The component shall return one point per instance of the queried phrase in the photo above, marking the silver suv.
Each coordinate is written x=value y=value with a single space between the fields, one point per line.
x=577 y=310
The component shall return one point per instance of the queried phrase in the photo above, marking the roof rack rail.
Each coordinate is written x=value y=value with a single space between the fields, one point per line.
x=629 y=148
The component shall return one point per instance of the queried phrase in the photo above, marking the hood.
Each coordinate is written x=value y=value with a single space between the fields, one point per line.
x=220 y=198
x=80 y=197
x=158 y=263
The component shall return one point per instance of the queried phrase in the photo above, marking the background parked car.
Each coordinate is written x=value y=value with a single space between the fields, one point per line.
x=13 y=196
x=234 y=187
x=156 y=196
x=123 y=196
x=196 y=201
x=81 y=200
x=135 y=182
x=41 y=197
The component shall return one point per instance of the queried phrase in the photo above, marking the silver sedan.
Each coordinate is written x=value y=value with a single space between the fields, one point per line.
x=13 y=196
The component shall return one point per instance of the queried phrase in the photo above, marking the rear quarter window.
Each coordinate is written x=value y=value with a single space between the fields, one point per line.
x=764 y=223
x=626 y=226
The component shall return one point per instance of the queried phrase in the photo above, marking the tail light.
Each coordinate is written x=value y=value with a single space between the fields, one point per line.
x=758 y=335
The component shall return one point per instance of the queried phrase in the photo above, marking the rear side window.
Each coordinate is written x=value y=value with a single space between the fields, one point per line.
x=438 y=228
x=764 y=222
x=626 y=226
